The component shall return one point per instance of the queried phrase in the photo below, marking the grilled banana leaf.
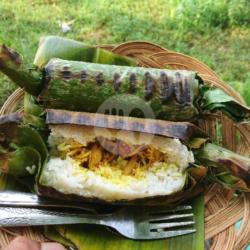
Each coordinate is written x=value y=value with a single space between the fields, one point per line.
x=58 y=47
x=140 y=92
x=226 y=167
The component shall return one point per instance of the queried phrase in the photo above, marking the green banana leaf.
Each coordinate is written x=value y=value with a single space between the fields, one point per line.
x=23 y=164
x=27 y=136
x=59 y=47
x=31 y=107
x=34 y=115
x=23 y=151
x=22 y=160
x=96 y=238
x=216 y=99
x=8 y=182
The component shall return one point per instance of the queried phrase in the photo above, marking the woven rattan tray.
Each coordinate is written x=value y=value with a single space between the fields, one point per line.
x=222 y=211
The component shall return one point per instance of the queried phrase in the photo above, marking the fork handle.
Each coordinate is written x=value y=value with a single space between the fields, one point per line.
x=15 y=217
x=21 y=199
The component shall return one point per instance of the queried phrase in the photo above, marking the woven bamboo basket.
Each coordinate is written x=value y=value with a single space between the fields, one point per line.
x=222 y=209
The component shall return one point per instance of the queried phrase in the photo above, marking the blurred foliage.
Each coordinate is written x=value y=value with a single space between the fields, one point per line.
x=215 y=32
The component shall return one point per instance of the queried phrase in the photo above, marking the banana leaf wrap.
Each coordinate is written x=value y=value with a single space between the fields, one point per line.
x=209 y=158
x=59 y=47
x=150 y=93
x=139 y=92
x=22 y=147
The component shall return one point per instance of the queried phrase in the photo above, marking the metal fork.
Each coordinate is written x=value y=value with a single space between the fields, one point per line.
x=133 y=223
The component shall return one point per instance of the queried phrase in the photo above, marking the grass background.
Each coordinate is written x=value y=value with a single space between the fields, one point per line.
x=215 y=32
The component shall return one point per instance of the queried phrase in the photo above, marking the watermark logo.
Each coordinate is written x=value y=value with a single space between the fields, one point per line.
x=122 y=108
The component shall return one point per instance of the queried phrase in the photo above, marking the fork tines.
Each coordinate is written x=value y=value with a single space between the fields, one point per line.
x=172 y=222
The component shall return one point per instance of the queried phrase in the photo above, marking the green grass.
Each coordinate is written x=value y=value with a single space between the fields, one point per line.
x=215 y=32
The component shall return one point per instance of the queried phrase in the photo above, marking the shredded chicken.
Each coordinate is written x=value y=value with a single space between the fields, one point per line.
x=95 y=155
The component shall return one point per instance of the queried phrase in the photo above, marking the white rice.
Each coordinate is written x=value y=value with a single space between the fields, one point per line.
x=69 y=178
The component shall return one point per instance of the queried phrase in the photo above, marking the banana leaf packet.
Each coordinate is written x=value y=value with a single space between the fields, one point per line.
x=66 y=76
x=24 y=154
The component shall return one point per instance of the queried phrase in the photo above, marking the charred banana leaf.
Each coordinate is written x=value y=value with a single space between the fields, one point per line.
x=212 y=163
x=24 y=75
x=140 y=92
x=226 y=167
x=58 y=47
x=137 y=91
